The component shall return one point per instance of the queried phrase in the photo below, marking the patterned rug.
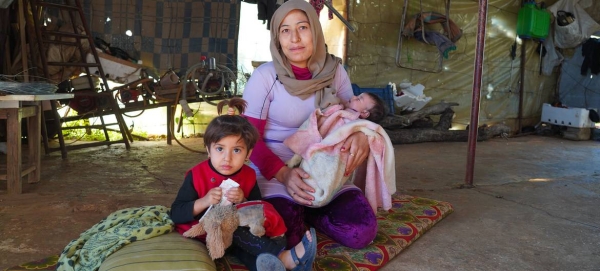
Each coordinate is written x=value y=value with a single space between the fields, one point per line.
x=409 y=218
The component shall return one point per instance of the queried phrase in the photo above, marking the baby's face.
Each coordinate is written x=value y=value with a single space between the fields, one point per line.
x=361 y=103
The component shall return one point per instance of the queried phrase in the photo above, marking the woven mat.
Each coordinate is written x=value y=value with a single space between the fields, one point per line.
x=408 y=220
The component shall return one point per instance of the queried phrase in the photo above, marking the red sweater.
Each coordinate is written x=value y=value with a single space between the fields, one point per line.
x=205 y=179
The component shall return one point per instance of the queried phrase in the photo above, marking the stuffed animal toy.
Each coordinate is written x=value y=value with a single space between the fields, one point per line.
x=218 y=224
x=220 y=221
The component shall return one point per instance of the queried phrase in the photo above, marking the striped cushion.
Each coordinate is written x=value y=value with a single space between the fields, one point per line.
x=166 y=252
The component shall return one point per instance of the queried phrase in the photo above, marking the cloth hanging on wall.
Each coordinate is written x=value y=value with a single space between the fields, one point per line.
x=591 y=57
x=318 y=5
x=552 y=58
x=266 y=8
x=166 y=34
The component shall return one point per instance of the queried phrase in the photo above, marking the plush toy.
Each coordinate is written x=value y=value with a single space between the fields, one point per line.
x=220 y=221
x=218 y=224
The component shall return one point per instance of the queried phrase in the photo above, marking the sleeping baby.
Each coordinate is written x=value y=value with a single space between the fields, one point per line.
x=367 y=106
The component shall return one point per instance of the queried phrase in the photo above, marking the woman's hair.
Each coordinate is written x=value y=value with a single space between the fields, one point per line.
x=378 y=112
x=231 y=124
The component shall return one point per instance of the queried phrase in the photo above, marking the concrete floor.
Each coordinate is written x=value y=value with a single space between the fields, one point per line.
x=534 y=206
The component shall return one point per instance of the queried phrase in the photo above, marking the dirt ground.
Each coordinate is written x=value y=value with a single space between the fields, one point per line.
x=534 y=206
x=83 y=189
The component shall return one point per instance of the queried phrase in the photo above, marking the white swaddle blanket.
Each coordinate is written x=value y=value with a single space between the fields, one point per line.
x=326 y=165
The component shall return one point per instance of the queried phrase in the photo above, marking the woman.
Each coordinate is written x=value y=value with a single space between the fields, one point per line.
x=281 y=94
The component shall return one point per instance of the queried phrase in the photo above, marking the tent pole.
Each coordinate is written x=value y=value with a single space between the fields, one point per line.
x=479 y=50
x=521 y=88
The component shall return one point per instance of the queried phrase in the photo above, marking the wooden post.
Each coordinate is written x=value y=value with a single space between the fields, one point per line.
x=33 y=141
x=22 y=33
x=13 y=145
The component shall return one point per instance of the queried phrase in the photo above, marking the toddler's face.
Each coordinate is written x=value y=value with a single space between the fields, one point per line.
x=228 y=155
x=361 y=103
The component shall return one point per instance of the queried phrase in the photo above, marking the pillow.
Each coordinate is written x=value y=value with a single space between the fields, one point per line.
x=165 y=252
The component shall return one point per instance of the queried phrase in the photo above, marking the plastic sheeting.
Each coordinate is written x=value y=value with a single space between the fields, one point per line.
x=576 y=90
x=371 y=59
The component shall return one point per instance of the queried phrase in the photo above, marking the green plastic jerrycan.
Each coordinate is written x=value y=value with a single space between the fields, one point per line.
x=533 y=22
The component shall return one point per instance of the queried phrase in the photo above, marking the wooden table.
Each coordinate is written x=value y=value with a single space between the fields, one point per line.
x=14 y=108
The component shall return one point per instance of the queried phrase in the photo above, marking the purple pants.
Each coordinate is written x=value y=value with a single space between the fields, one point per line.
x=348 y=219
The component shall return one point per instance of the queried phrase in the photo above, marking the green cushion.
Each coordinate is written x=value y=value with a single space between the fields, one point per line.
x=166 y=252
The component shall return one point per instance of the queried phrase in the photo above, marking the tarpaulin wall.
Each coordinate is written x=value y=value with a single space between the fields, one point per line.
x=579 y=86
x=372 y=52
x=168 y=34
x=577 y=90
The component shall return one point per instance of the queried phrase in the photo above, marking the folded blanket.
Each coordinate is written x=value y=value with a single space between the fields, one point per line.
x=326 y=165
x=118 y=229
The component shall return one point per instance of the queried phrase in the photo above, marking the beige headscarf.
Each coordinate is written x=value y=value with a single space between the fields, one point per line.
x=321 y=64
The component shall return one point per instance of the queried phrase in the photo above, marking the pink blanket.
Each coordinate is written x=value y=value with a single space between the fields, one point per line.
x=325 y=163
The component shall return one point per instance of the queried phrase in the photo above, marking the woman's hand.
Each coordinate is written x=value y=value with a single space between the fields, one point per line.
x=292 y=178
x=357 y=145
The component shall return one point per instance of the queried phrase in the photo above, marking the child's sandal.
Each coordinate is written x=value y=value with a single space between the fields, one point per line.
x=310 y=252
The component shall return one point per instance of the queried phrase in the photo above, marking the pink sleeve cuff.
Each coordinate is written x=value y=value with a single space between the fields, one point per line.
x=267 y=162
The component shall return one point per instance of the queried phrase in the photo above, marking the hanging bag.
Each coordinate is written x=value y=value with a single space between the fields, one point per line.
x=578 y=30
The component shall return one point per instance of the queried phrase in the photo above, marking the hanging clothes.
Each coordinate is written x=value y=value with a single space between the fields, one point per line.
x=266 y=8
x=318 y=5
x=591 y=56
x=414 y=25
x=444 y=45
x=444 y=42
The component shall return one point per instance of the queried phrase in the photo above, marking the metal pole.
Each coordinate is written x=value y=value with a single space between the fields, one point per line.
x=340 y=16
x=521 y=87
x=479 y=50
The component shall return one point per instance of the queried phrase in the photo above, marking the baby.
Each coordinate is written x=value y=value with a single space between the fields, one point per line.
x=367 y=106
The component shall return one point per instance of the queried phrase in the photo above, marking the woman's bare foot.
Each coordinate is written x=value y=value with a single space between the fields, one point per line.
x=286 y=255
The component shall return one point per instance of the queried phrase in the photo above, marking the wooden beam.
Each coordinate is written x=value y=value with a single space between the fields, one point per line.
x=22 y=32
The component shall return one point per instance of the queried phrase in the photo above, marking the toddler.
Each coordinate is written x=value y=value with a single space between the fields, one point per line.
x=229 y=140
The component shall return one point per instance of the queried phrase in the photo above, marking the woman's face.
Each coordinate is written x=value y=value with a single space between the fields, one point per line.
x=296 y=39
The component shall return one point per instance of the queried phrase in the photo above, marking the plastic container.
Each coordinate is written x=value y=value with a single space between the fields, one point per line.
x=570 y=117
x=386 y=94
x=533 y=22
